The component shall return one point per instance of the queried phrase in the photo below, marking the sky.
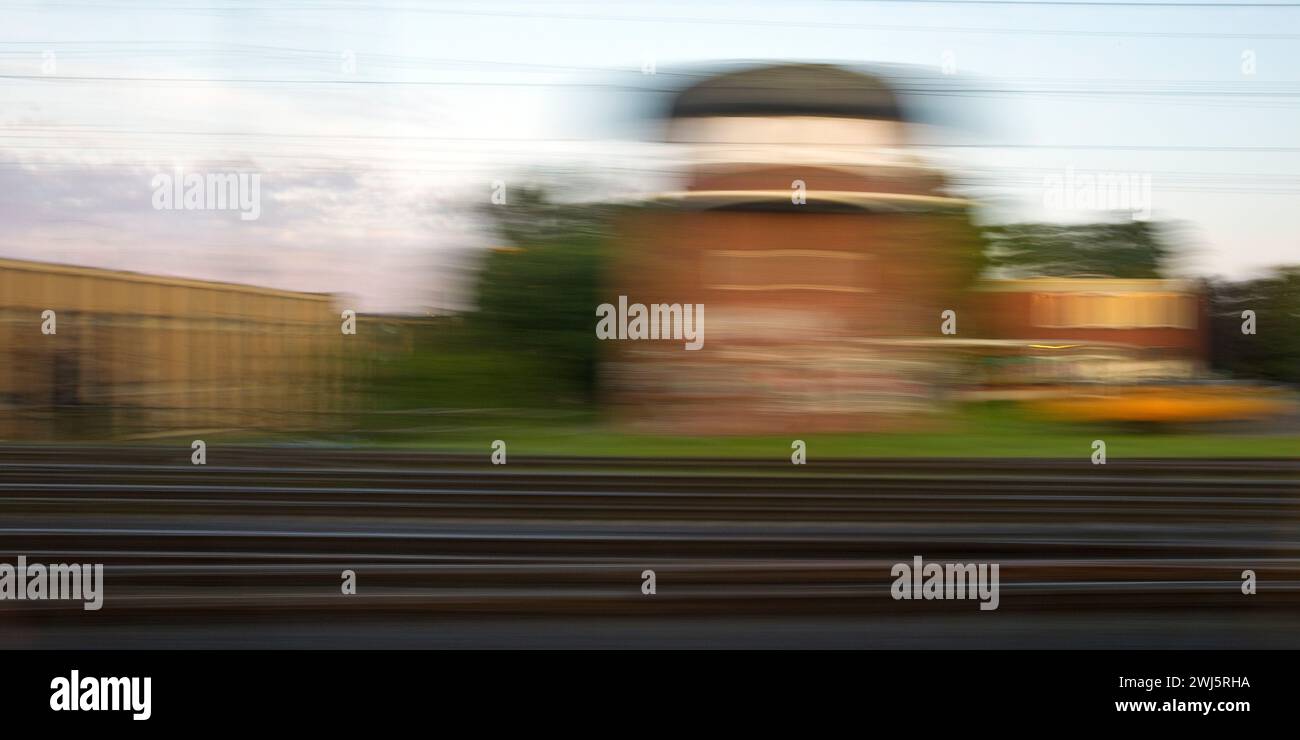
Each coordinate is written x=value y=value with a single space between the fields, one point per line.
x=379 y=129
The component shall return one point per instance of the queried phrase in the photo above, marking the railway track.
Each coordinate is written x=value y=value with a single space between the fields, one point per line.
x=267 y=532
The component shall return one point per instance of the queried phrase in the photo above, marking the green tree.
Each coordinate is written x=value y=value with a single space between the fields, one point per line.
x=1135 y=249
x=1273 y=351
x=537 y=293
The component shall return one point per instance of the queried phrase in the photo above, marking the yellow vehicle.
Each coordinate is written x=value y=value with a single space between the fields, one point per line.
x=1171 y=402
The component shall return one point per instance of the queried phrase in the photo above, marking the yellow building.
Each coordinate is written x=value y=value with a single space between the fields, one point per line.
x=93 y=353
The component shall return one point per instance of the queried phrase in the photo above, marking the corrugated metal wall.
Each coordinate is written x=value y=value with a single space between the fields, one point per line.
x=135 y=355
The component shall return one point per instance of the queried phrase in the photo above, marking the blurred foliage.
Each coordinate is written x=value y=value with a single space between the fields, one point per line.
x=538 y=301
x=530 y=341
x=995 y=429
x=450 y=366
x=1273 y=352
x=538 y=292
x=532 y=214
x=1133 y=249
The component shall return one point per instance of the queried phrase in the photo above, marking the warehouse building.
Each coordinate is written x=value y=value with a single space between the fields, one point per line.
x=1096 y=330
x=95 y=353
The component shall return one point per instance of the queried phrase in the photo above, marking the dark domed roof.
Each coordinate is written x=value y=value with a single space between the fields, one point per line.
x=789 y=90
